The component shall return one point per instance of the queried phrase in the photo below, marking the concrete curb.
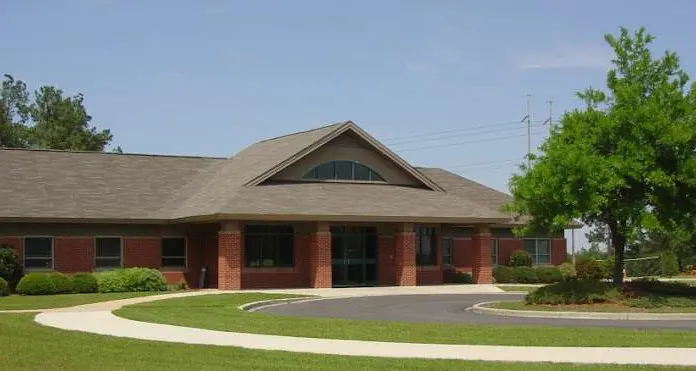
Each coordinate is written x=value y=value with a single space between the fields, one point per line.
x=481 y=308
x=262 y=304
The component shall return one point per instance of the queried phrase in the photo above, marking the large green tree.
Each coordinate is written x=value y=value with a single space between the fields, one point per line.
x=47 y=120
x=626 y=159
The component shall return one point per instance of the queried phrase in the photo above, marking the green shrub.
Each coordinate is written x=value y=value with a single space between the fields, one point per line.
x=657 y=287
x=502 y=274
x=84 y=283
x=669 y=264
x=607 y=268
x=549 y=274
x=524 y=275
x=567 y=271
x=181 y=285
x=131 y=279
x=588 y=270
x=643 y=268
x=10 y=265
x=36 y=284
x=62 y=282
x=4 y=287
x=575 y=292
x=463 y=277
x=520 y=258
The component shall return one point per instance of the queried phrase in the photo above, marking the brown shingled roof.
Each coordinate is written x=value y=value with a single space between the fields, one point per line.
x=104 y=186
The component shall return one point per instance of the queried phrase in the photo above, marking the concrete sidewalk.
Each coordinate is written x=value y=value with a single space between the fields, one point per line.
x=105 y=323
x=98 y=319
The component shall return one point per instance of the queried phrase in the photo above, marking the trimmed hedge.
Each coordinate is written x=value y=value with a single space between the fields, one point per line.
x=62 y=282
x=10 y=265
x=520 y=258
x=589 y=270
x=524 y=275
x=567 y=271
x=574 y=292
x=84 y=283
x=36 y=284
x=131 y=279
x=463 y=277
x=4 y=287
x=549 y=274
x=502 y=274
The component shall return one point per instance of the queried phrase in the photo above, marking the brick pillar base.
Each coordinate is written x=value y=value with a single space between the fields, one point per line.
x=320 y=257
x=405 y=257
x=229 y=260
x=482 y=269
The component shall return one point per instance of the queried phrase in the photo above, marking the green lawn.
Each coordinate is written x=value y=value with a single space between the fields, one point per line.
x=517 y=288
x=61 y=301
x=219 y=312
x=28 y=346
x=613 y=308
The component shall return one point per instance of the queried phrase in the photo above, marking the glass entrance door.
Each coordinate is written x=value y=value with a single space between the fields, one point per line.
x=353 y=256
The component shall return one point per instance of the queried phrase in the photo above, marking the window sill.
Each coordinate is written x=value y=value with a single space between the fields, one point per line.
x=428 y=267
x=269 y=270
x=38 y=270
x=102 y=269
x=174 y=269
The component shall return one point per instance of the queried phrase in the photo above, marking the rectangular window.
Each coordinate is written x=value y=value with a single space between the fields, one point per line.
x=426 y=246
x=107 y=252
x=447 y=251
x=38 y=252
x=267 y=246
x=494 y=251
x=539 y=250
x=173 y=252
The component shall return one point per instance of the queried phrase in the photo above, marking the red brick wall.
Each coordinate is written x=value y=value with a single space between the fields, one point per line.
x=506 y=246
x=386 y=275
x=210 y=257
x=298 y=276
x=558 y=251
x=482 y=270
x=405 y=258
x=73 y=254
x=320 y=259
x=230 y=260
x=142 y=252
x=462 y=252
x=15 y=242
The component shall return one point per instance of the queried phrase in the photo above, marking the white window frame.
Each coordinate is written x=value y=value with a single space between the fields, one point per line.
x=535 y=260
x=451 y=252
x=162 y=257
x=53 y=253
x=95 y=253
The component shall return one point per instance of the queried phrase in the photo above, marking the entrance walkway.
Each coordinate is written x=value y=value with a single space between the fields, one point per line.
x=97 y=318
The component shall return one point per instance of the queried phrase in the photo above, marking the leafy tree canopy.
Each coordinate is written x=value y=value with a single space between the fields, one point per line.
x=626 y=159
x=49 y=120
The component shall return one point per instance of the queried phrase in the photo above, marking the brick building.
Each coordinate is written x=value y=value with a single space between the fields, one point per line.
x=326 y=207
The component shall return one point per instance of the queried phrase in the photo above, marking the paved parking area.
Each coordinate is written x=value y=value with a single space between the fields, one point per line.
x=446 y=308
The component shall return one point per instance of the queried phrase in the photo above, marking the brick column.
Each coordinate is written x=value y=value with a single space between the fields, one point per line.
x=482 y=270
x=558 y=251
x=320 y=256
x=230 y=257
x=405 y=255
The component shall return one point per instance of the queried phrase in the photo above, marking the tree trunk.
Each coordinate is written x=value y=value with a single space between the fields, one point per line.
x=618 y=241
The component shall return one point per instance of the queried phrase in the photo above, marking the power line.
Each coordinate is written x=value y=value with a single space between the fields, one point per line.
x=465 y=142
x=478 y=164
x=427 y=133
x=451 y=136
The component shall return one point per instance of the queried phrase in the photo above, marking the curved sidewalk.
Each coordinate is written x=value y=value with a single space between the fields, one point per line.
x=97 y=318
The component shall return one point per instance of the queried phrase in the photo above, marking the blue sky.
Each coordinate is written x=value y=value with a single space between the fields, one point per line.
x=210 y=77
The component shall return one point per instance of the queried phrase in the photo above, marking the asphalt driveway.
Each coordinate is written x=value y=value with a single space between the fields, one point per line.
x=444 y=309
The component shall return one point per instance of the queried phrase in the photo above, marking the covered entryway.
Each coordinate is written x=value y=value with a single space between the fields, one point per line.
x=353 y=256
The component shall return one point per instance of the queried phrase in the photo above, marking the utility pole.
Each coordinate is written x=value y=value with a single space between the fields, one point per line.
x=528 y=118
x=550 y=117
x=572 y=244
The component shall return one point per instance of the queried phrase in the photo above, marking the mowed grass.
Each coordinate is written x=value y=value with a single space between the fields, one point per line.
x=27 y=346
x=611 y=308
x=219 y=312
x=61 y=301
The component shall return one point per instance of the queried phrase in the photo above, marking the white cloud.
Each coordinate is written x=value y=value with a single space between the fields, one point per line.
x=574 y=57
